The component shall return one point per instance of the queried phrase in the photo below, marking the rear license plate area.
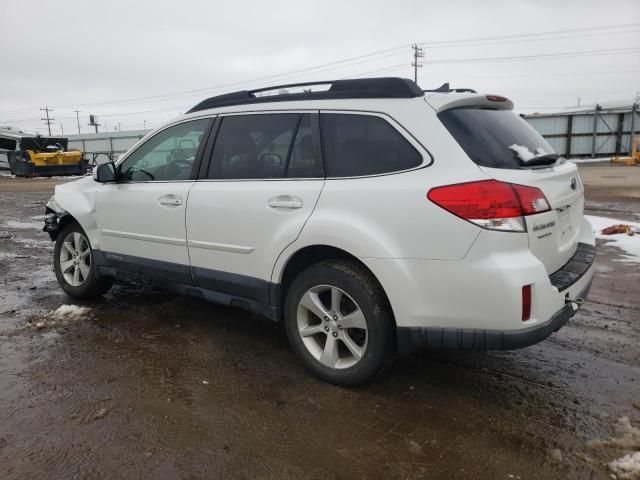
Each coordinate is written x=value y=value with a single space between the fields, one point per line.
x=563 y=222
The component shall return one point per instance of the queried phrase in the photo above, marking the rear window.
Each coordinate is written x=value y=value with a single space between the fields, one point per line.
x=495 y=138
x=357 y=145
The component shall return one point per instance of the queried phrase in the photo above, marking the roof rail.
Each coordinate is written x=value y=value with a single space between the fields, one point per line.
x=383 y=87
x=445 y=88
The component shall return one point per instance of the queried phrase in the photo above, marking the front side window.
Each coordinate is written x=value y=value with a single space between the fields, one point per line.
x=358 y=145
x=167 y=156
x=264 y=146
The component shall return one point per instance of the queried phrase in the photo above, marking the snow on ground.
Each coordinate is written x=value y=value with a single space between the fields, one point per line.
x=629 y=244
x=69 y=312
x=627 y=467
x=37 y=244
x=590 y=160
x=22 y=225
x=65 y=178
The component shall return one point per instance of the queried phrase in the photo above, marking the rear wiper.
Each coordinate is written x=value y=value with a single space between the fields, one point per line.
x=546 y=159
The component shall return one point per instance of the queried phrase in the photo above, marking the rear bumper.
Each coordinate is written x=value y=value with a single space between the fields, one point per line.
x=410 y=339
x=476 y=302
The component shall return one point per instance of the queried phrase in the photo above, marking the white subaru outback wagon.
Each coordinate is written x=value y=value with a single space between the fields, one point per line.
x=368 y=215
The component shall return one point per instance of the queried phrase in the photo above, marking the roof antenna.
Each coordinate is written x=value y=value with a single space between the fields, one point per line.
x=443 y=88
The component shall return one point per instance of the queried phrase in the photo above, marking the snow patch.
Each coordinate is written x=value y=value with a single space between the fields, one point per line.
x=37 y=244
x=525 y=154
x=69 y=312
x=627 y=467
x=22 y=225
x=590 y=160
x=630 y=244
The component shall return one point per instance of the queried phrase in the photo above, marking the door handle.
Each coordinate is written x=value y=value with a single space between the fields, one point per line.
x=170 y=200
x=285 y=201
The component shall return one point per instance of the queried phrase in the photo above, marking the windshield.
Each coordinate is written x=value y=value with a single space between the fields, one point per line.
x=497 y=138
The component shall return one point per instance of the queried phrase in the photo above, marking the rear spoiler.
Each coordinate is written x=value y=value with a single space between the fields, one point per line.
x=443 y=101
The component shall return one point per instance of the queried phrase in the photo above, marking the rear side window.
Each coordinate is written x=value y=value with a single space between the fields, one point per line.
x=264 y=146
x=357 y=145
x=494 y=138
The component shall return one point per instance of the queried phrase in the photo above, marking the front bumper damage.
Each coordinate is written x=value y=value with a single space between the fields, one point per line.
x=52 y=214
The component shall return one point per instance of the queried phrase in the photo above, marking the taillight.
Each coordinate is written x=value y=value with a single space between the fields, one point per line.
x=491 y=204
x=526 y=302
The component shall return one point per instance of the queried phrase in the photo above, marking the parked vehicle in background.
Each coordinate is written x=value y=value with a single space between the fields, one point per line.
x=37 y=156
x=371 y=217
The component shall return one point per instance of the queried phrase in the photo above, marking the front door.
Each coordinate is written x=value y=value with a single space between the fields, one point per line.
x=141 y=218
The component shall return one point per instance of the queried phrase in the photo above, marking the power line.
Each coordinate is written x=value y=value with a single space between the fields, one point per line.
x=344 y=62
x=584 y=53
x=536 y=34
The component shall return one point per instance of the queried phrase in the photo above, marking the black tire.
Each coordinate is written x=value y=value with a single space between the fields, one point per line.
x=93 y=285
x=358 y=283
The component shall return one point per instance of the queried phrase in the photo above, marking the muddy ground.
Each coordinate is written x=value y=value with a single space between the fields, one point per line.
x=157 y=386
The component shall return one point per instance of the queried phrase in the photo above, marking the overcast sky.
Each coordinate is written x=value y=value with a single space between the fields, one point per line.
x=109 y=57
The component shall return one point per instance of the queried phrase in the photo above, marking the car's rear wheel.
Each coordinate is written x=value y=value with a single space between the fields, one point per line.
x=74 y=266
x=338 y=322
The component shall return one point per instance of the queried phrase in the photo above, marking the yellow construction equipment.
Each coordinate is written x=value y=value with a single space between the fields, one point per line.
x=633 y=159
x=36 y=156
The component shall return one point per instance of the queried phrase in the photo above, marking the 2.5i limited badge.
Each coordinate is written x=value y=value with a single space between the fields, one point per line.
x=542 y=226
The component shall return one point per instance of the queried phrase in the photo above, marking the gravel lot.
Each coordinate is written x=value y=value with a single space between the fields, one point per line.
x=144 y=384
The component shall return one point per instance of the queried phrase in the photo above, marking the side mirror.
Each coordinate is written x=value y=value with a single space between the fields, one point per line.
x=105 y=172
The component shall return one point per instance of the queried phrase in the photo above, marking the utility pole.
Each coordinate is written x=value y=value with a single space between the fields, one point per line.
x=78 y=119
x=119 y=127
x=62 y=128
x=417 y=54
x=47 y=120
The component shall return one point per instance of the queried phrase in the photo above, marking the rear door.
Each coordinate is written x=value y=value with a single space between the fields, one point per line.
x=507 y=148
x=260 y=186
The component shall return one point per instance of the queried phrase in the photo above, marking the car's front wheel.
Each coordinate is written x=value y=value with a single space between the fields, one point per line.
x=74 y=264
x=338 y=322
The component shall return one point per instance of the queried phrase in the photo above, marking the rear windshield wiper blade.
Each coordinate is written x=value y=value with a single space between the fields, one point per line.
x=546 y=159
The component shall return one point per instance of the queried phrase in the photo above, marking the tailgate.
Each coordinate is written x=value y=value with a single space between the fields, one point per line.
x=553 y=235
x=508 y=149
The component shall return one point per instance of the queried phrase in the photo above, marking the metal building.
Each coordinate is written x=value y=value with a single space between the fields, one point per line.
x=601 y=130
x=103 y=146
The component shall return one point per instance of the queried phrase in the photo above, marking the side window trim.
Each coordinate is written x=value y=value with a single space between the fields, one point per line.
x=206 y=158
x=197 y=160
x=201 y=148
x=293 y=141
x=427 y=158
x=316 y=139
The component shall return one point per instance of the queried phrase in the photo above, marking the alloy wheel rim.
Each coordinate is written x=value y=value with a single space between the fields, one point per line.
x=332 y=326
x=75 y=259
